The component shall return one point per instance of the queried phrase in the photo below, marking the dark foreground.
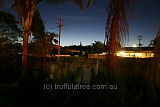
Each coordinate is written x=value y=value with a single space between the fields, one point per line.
x=134 y=89
x=133 y=92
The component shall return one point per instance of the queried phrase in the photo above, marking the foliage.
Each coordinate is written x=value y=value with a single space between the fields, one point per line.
x=9 y=33
x=98 y=47
x=153 y=42
x=10 y=63
x=42 y=42
x=37 y=27
x=39 y=31
x=66 y=50
x=8 y=27
x=43 y=45
x=26 y=9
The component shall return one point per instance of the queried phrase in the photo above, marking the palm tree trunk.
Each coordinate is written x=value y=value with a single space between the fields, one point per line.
x=26 y=9
x=26 y=23
x=25 y=55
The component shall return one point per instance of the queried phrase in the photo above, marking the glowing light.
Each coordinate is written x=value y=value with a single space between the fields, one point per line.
x=138 y=54
x=134 y=45
x=122 y=53
x=104 y=53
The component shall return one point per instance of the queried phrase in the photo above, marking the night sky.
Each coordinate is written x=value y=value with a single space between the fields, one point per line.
x=85 y=26
x=89 y=25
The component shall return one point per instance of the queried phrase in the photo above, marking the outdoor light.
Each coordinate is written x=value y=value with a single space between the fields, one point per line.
x=138 y=54
x=134 y=45
x=122 y=53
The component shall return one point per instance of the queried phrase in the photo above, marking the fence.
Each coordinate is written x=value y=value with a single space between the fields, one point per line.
x=56 y=67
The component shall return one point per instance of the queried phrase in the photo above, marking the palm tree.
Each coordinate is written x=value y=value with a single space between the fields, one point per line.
x=26 y=9
x=117 y=28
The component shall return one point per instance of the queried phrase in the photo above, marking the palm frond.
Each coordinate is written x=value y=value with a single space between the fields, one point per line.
x=117 y=28
x=25 y=6
x=89 y=2
x=26 y=10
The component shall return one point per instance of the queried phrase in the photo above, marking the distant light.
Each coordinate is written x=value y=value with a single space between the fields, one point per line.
x=134 y=45
x=104 y=53
x=122 y=53
x=138 y=54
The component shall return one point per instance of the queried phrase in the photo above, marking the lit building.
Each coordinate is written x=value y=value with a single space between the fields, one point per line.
x=130 y=52
x=136 y=52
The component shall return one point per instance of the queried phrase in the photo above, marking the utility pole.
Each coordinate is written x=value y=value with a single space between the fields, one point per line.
x=139 y=38
x=60 y=31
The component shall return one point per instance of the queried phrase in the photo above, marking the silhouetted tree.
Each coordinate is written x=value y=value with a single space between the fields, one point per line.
x=37 y=27
x=153 y=73
x=26 y=9
x=153 y=42
x=9 y=33
x=8 y=27
x=43 y=45
x=117 y=28
x=98 y=47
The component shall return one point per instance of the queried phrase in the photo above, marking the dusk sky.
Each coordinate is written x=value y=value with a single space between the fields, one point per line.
x=89 y=25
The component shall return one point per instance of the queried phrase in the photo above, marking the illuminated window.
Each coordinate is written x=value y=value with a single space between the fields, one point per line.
x=148 y=54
